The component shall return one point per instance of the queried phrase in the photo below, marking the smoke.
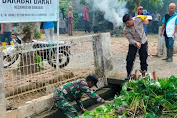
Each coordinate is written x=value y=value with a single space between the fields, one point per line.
x=113 y=10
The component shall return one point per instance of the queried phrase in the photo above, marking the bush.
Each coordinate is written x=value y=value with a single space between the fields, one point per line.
x=36 y=34
x=148 y=98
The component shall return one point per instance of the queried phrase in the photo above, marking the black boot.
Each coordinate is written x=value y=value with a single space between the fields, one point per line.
x=170 y=59
x=127 y=77
x=167 y=54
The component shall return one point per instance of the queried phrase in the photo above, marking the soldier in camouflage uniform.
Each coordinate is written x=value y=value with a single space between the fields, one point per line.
x=73 y=91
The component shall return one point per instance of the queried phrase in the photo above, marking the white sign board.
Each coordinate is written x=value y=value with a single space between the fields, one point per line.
x=12 y=11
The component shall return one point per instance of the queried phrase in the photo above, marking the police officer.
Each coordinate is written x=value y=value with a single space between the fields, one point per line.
x=134 y=32
x=73 y=91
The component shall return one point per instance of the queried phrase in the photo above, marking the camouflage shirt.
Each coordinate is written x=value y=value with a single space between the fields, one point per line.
x=74 y=90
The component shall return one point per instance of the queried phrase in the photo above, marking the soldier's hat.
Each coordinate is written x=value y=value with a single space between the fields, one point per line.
x=93 y=79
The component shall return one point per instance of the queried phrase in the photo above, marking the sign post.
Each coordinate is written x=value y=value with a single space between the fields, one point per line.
x=2 y=88
x=15 y=11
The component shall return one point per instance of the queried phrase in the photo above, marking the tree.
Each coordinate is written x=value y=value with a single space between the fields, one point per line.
x=138 y=3
x=149 y=5
x=83 y=2
x=65 y=4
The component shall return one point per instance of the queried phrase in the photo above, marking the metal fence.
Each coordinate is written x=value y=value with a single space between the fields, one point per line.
x=33 y=70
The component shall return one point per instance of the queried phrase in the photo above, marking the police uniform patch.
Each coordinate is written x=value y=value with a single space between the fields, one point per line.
x=126 y=32
x=127 y=35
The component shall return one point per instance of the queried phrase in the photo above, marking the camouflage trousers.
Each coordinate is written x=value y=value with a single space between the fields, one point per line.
x=63 y=104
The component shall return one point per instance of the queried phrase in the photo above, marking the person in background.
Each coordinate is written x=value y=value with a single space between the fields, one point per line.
x=49 y=31
x=139 y=10
x=142 y=11
x=134 y=32
x=0 y=33
x=95 y=22
x=70 y=21
x=62 y=22
x=145 y=12
x=169 y=27
x=73 y=91
x=6 y=32
x=155 y=22
x=42 y=27
x=87 y=19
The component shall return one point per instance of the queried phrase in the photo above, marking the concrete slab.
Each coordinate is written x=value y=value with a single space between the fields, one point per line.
x=116 y=81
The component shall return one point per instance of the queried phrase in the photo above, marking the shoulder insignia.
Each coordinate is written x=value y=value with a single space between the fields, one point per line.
x=126 y=32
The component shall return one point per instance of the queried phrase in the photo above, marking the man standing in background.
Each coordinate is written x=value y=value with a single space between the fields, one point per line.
x=70 y=21
x=86 y=19
x=95 y=22
x=139 y=12
x=49 y=31
x=155 y=22
x=169 y=27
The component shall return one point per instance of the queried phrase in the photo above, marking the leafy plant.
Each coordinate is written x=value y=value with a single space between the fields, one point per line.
x=36 y=34
x=65 y=4
x=142 y=98
x=39 y=61
x=83 y=2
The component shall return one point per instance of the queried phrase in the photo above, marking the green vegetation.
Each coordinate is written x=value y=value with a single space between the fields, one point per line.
x=36 y=34
x=65 y=4
x=83 y=2
x=138 y=2
x=146 y=98
x=39 y=61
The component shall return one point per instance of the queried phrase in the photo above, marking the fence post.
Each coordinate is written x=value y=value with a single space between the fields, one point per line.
x=102 y=57
x=161 y=44
x=2 y=88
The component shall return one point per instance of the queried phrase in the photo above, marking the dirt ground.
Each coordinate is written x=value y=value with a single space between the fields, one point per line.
x=119 y=52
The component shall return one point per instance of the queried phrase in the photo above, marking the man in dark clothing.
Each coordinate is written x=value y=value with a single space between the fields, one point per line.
x=87 y=19
x=73 y=91
x=155 y=22
x=134 y=32
x=95 y=22
x=170 y=25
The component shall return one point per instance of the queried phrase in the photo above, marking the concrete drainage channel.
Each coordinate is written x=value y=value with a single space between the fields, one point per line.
x=107 y=93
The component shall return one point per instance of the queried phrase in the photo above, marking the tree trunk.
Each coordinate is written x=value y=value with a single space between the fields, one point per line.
x=27 y=60
x=137 y=3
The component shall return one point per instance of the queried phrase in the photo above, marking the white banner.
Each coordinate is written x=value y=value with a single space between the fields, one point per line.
x=12 y=11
